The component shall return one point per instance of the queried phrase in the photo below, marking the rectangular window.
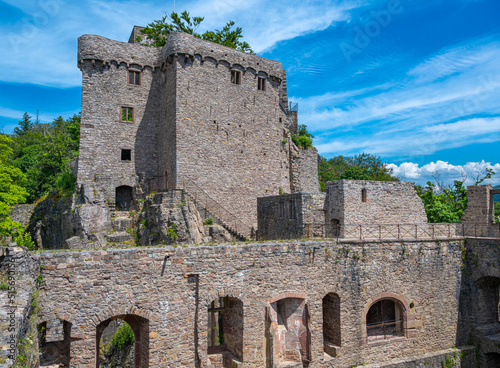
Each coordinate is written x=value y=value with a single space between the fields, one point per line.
x=127 y=114
x=282 y=209
x=292 y=209
x=235 y=77
x=134 y=77
x=126 y=155
x=261 y=84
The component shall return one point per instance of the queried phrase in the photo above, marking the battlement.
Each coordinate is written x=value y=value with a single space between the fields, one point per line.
x=184 y=44
x=103 y=50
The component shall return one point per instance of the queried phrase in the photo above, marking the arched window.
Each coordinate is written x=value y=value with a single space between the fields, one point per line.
x=225 y=327
x=331 y=324
x=384 y=320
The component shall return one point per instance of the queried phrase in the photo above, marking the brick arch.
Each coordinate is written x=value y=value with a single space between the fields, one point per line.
x=140 y=327
x=230 y=292
x=400 y=300
x=491 y=272
x=288 y=294
x=114 y=311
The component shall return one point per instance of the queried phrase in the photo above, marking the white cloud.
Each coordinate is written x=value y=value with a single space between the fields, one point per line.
x=437 y=105
x=446 y=172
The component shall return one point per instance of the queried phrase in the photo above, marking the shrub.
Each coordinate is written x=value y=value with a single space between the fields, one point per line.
x=123 y=337
x=208 y=221
x=172 y=232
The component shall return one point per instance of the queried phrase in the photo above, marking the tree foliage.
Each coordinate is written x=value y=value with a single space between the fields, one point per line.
x=364 y=166
x=157 y=31
x=443 y=205
x=446 y=205
x=304 y=139
x=43 y=153
x=12 y=191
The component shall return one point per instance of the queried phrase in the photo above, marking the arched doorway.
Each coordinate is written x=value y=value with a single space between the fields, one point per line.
x=123 y=341
x=492 y=360
x=331 y=324
x=488 y=301
x=124 y=198
x=289 y=333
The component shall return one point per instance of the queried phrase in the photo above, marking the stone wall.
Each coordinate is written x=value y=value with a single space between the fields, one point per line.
x=287 y=216
x=22 y=213
x=479 y=216
x=19 y=272
x=304 y=170
x=171 y=289
x=228 y=136
x=384 y=203
x=105 y=89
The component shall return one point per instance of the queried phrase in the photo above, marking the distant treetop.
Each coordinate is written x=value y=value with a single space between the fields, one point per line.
x=156 y=32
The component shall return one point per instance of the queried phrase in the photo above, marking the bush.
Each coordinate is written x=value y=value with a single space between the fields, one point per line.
x=123 y=337
x=302 y=141
x=208 y=221
x=172 y=232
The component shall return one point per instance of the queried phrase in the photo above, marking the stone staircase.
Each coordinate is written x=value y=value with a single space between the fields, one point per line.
x=208 y=207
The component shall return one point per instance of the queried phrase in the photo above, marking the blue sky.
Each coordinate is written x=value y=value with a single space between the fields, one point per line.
x=416 y=82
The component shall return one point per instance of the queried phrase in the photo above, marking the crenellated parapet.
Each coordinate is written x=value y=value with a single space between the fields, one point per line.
x=182 y=44
x=98 y=49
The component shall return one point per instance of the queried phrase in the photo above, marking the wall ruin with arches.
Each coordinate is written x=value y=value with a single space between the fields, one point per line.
x=280 y=298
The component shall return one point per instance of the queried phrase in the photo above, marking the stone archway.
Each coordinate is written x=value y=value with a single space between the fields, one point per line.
x=140 y=327
x=488 y=301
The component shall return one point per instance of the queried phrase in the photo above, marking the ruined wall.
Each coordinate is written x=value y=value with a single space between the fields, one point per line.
x=105 y=64
x=228 y=136
x=18 y=277
x=22 y=213
x=304 y=170
x=286 y=216
x=385 y=203
x=172 y=288
x=479 y=297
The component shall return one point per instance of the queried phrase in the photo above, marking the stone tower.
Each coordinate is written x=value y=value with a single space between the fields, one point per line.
x=191 y=115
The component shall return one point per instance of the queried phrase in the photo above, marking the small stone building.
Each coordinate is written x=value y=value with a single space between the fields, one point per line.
x=345 y=205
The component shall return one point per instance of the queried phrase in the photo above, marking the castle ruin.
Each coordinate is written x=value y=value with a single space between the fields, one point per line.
x=351 y=277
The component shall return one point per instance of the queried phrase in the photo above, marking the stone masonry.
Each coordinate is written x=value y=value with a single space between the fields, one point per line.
x=191 y=128
x=169 y=290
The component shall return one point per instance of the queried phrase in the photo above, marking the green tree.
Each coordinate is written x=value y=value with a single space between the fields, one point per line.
x=364 y=166
x=447 y=205
x=25 y=125
x=444 y=205
x=304 y=139
x=12 y=191
x=43 y=152
x=157 y=31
